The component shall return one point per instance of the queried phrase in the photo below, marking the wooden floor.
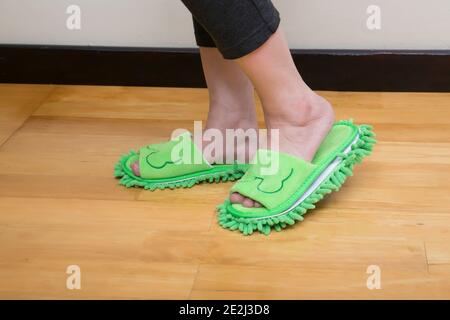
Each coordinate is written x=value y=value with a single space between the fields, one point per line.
x=60 y=206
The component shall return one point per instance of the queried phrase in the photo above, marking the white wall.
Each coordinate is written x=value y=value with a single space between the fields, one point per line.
x=334 y=24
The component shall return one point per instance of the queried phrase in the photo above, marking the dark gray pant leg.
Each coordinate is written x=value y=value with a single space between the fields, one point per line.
x=236 y=27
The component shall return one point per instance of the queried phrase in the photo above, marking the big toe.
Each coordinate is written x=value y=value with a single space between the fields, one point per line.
x=135 y=168
x=236 y=197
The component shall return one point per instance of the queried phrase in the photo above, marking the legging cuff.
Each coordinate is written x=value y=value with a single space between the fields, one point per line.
x=253 y=42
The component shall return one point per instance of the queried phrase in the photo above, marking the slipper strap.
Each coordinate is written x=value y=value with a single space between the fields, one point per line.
x=273 y=178
x=176 y=157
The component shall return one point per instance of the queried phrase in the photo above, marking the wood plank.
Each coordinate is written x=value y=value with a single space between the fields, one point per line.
x=126 y=103
x=318 y=282
x=46 y=279
x=17 y=103
x=133 y=217
x=392 y=107
x=365 y=223
x=152 y=103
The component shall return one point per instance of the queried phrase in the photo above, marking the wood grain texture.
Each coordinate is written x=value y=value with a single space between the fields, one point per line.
x=59 y=205
x=17 y=103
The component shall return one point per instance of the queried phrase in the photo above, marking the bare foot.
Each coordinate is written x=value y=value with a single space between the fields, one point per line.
x=300 y=132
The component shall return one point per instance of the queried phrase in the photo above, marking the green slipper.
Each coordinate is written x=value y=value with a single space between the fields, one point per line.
x=297 y=184
x=168 y=165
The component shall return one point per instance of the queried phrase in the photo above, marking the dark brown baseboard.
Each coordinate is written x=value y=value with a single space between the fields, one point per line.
x=338 y=70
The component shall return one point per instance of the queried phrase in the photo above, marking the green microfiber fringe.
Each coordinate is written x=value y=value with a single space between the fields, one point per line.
x=247 y=226
x=130 y=181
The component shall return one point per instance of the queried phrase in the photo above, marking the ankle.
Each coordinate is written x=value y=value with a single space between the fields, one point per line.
x=221 y=116
x=302 y=110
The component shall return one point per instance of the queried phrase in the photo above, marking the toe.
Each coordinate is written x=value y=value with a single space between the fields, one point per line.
x=135 y=168
x=249 y=203
x=236 y=197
